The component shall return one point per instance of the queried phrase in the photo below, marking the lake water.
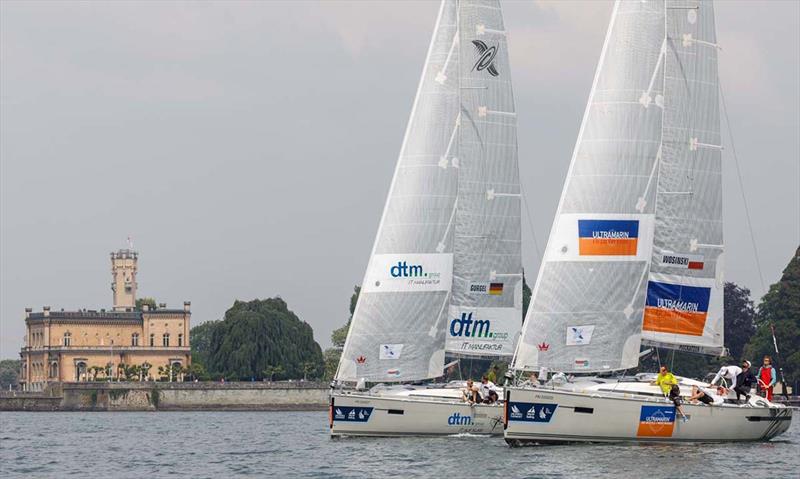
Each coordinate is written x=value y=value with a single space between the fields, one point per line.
x=296 y=444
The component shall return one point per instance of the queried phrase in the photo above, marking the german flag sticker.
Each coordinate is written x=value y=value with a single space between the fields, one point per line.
x=495 y=289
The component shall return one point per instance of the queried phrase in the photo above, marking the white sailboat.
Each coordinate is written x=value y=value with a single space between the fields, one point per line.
x=635 y=252
x=445 y=274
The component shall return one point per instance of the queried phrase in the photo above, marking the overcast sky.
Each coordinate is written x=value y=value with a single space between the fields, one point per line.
x=248 y=147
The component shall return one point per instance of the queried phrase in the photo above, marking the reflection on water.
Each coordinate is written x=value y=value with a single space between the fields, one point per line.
x=286 y=444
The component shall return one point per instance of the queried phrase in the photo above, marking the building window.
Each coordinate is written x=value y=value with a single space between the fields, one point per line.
x=67 y=339
x=152 y=340
x=165 y=339
x=180 y=340
x=54 y=370
x=135 y=339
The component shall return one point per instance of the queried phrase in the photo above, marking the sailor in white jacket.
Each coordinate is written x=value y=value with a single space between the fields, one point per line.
x=728 y=373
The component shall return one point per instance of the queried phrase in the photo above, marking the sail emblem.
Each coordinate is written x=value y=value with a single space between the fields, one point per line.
x=486 y=58
x=361 y=359
x=543 y=347
x=579 y=335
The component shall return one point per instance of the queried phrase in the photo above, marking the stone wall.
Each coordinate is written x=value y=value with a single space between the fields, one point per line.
x=149 y=396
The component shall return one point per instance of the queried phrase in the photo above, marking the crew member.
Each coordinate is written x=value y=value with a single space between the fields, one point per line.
x=767 y=378
x=488 y=390
x=470 y=392
x=675 y=397
x=729 y=374
x=744 y=382
x=705 y=397
x=665 y=380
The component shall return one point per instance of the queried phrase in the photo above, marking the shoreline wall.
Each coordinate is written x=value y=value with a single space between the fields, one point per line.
x=155 y=396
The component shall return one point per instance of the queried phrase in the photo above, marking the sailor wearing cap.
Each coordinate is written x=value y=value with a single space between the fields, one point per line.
x=744 y=382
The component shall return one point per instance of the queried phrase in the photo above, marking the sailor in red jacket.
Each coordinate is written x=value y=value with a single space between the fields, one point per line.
x=767 y=378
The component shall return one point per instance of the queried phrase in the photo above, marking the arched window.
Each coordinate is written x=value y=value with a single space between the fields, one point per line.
x=54 y=370
x=135 y=339
x=152 y=340
x=180 y=340
x=165 y=339
x=67 y=339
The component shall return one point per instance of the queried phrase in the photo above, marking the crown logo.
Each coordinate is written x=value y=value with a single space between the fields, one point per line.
x=543 y=347
x=361 y=360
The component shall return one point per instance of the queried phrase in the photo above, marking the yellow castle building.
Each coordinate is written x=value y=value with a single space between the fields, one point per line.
x=122 y=343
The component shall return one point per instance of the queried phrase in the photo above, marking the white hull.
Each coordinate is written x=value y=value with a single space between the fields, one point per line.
x=366 y=414
x=562 y=416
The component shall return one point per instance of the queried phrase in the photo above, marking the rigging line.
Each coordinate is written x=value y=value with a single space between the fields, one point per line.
x=530 y=221
x=672 y=362
x=658 y=357
x=741 y=187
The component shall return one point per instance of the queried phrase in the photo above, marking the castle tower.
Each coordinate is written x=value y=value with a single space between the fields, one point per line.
x=123 y=271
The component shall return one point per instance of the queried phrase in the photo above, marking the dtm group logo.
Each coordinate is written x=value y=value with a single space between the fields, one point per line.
x=404 y=270
x=456 y=419
x=465 y=326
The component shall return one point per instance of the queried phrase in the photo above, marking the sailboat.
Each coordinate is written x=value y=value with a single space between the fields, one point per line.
x=445 y=273
x=636 y=250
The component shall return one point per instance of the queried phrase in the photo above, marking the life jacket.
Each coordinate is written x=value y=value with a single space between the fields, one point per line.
x=765 y=376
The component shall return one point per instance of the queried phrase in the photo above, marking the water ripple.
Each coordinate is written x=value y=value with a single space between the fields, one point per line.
x=296 y=444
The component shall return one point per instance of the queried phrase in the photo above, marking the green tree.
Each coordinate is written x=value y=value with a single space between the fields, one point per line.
x=740 y=316
x=150 y=302
x=780 y=308
x=197 y=371
x=201 y=341
x=95 y=371
x=526 y=296
x=261 y=333
x=273 y=372
x=338 y=338
x=9 y=373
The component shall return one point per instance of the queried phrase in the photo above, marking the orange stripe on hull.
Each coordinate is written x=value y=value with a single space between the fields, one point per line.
x=607 y=247
x=671 y=321
x=655 y=429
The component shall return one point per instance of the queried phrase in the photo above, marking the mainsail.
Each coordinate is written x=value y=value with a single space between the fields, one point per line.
x=445 y=271
x=636 y=245
x=586 y=310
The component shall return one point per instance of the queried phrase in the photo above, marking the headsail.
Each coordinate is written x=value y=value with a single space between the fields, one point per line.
x=451 y=220
x=586 y=310
x=684 y=292
x=486 y=308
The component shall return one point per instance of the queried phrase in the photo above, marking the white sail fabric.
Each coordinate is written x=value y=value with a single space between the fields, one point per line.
x=452 y=218
x=684 y=294
x=486 y=308
x=587 y=305
x=397 y=331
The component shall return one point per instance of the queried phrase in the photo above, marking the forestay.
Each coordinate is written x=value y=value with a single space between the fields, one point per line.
x=446 y=259
x=587 y=305
x=684 y=293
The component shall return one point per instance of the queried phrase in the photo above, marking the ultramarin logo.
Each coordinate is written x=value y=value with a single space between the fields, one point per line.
x=404 y=270
x=486 y=58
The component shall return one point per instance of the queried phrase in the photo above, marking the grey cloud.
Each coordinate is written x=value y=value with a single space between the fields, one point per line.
x=248 y=147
